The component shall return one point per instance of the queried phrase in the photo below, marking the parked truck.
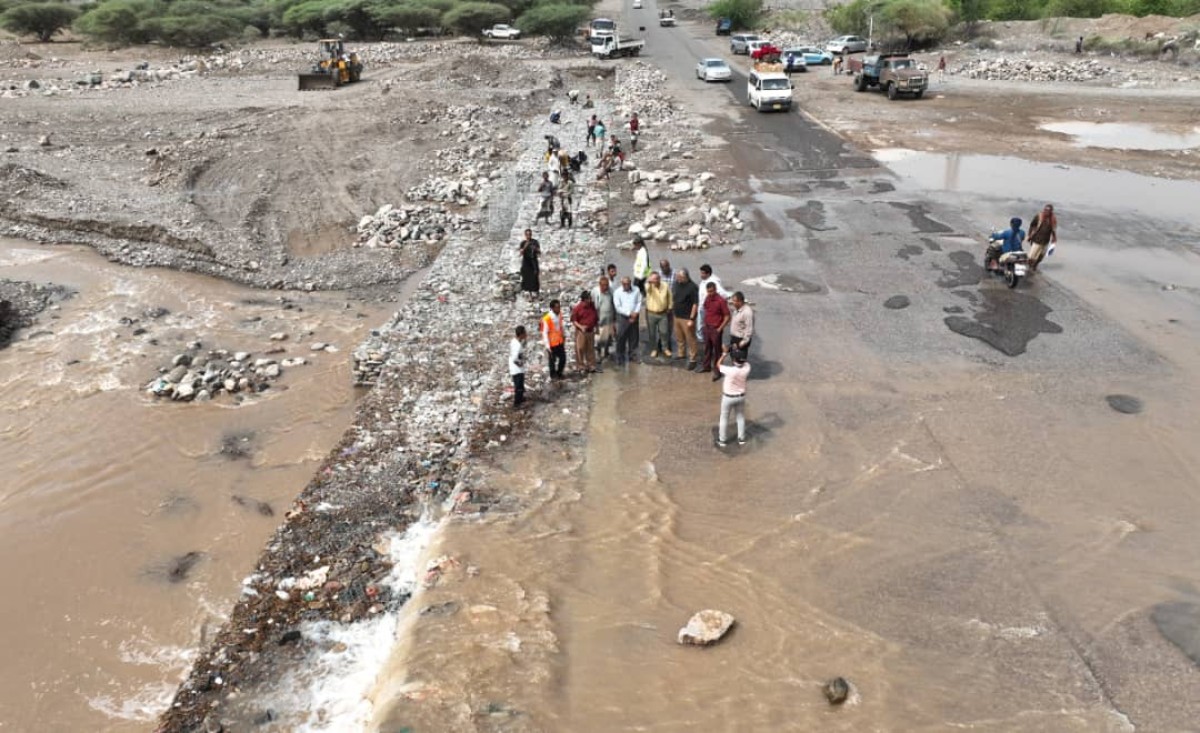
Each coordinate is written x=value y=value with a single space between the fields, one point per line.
x=611 y=47
x=892 y=73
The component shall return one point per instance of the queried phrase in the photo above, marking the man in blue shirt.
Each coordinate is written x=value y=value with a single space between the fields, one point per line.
x=1001 y=243
x=627 y=302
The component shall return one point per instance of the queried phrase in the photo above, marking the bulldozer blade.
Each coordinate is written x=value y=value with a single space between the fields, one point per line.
x=310 y=82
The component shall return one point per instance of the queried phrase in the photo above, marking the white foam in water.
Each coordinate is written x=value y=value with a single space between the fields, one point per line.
x=144 y=706
x=330 y=691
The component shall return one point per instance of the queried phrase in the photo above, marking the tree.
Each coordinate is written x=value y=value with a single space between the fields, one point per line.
x=1014 y=9
x=43 y=20
x=117 y=21
x=194 y=30
x=1080 y=8
x=558 y=21
x=359 y=15
x=917 y=20
x=471 y=18
x=408 y=16
x=308 y=16
x=742 y=13
x=852 y=18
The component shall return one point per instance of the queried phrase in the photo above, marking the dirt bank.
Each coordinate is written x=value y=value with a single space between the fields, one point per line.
x=218 y=165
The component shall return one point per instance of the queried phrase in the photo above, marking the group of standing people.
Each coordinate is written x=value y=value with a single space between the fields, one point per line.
x=699 y=323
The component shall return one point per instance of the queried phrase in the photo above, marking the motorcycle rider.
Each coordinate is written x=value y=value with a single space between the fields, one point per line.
x=1002 y=243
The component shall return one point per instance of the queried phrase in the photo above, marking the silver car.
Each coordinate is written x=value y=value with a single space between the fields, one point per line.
x=714 y=70
x=847 y=44
x=741 y=43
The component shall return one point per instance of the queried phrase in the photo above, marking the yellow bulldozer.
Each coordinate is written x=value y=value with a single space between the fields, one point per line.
x=335 y=67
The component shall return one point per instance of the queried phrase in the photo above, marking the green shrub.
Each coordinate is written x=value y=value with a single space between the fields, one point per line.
x=919 y=21
x=117 y=21
x=557 y=21
x=307 y=16
x=471 y=18
x=851 y=18
x=409 y=16
x=192 y=31
x=43 y=20
x=1014 y=9
x=743 y=13
x=1082 y=8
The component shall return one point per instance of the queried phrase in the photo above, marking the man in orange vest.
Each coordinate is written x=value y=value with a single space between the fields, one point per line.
x=552 y=339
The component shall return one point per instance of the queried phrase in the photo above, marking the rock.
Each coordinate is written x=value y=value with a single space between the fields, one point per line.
x=241 y=355
x=176 y=375
x=896 y=302
x=318 y=346
x=271 y=371
x=836 y=690
x=705 y=627
x=279 y=336
x=1123 y=403
x=640 y=197
x=45 y=141
x=182 y=360
x=681 y=187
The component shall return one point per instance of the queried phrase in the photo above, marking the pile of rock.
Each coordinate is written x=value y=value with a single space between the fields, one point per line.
x=20 y=302
x=697 y=226
x=96 y=80
x=641 y=88
x=1003 y=69
x=203 y=376
x=392 y=226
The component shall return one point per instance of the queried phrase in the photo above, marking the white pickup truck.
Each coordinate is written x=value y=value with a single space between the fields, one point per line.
x=611 y=47
x=502 y=32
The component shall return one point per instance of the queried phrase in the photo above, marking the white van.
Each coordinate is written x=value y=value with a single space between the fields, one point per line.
x=769 y=90
x=637 y=4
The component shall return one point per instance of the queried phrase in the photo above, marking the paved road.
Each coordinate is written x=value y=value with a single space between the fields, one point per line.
x=968 y=495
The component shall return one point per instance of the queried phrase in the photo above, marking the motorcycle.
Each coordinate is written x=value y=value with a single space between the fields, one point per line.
x=1012 y=265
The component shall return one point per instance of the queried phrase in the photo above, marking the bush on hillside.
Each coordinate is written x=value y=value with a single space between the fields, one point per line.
x=919 y=21
x=557 y=21
x=192 y=30
x=472 y=17
x=117 y=21
x=409 y=16
x=43 y=20
x=743 y=13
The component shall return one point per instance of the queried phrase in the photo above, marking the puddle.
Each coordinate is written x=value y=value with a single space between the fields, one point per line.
x=1126 y=136
x=991 y=175
x=1006 y=321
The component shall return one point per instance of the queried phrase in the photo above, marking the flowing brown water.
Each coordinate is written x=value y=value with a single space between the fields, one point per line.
x=873 y=529
x=105 y=491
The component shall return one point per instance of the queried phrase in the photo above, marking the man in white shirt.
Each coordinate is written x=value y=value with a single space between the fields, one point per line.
x=706 y=277
x=516 y=365
x=627 y=302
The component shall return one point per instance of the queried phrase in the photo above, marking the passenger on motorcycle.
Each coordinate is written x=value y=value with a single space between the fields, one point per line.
x=1002 y=243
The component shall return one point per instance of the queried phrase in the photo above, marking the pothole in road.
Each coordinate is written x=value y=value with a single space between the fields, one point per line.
x=967 y=271
x=811 y=216
x=1007 y=321
x=919 y=216
x=784 y=283
x=1123 y=403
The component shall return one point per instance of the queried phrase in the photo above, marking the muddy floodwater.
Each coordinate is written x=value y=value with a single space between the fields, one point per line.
x=126 y=523
x=1126 y=136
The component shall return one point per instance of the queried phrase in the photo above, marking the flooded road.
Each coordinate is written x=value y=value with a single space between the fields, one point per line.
x=975 y=504
x=129 y=523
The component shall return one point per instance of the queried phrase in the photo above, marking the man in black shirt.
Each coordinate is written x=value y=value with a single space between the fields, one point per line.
x=685 y=297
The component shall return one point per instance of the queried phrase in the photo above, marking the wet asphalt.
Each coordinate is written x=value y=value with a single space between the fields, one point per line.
x=888 y=334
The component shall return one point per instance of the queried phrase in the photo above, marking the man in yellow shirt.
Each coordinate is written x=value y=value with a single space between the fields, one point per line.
x=658 y=306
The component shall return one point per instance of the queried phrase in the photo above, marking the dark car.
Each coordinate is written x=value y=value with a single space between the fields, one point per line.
x=724 y=27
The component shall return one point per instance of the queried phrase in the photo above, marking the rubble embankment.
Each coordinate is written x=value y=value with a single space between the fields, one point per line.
x=21 y=302
x=440 y=401
x=440 y=396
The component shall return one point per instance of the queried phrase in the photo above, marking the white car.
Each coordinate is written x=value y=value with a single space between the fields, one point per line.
x=637 y=4
x=847 y=44
x=714 y=70
x=501 y=31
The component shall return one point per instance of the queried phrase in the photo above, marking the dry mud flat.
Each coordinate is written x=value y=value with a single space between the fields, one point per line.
x=231 y=172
